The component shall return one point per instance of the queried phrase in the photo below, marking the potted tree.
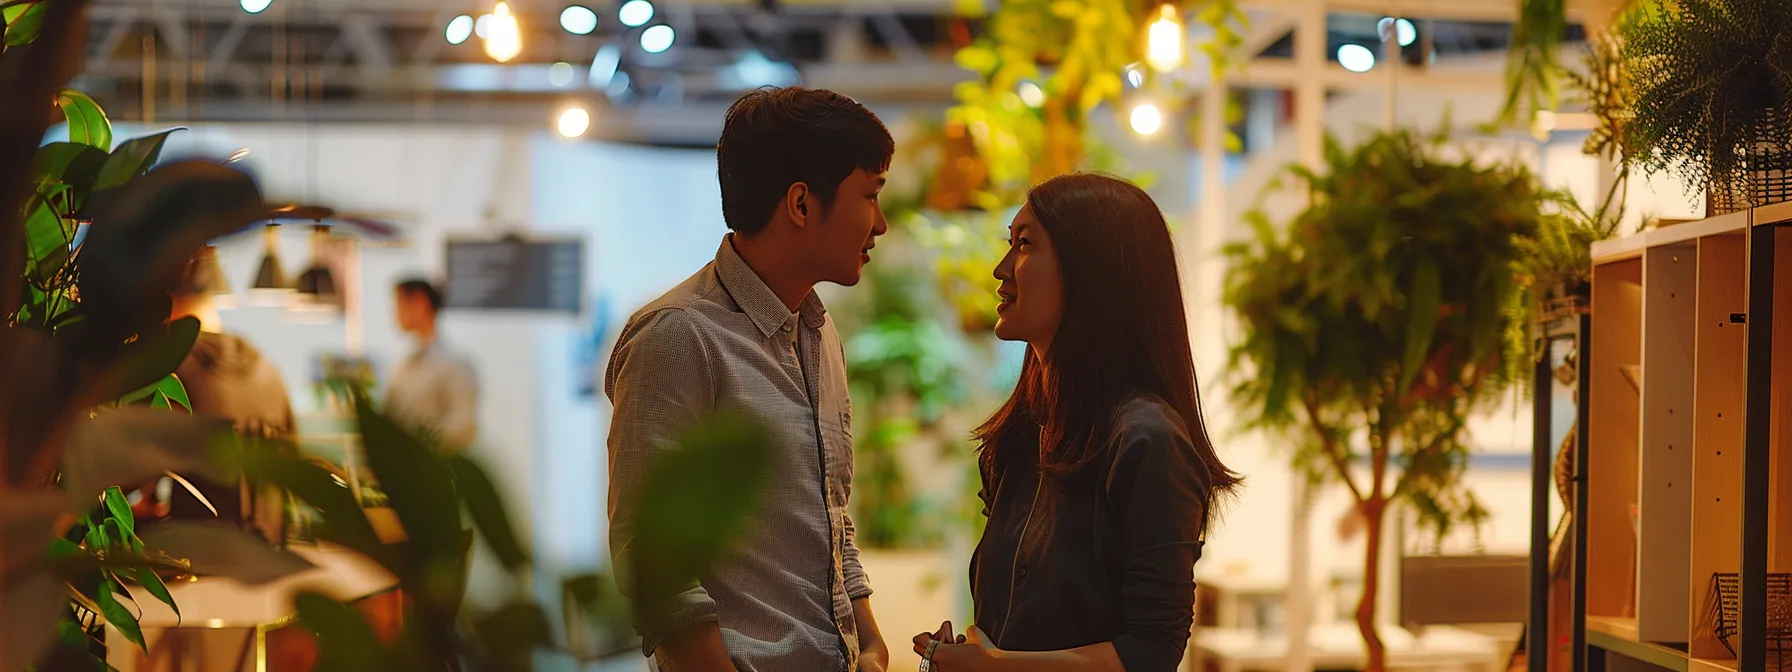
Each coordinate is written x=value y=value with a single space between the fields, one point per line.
x=1374 y=324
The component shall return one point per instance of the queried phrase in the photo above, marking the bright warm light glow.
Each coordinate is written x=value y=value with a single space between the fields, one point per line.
x=573 y=122
x=256 y=6
x=578 y=19
x=1544 y=122
x=560 y=74
x=1031 y=94
x=635 y=13
x=459 y=29
x=1146 y=119
x=504 y=39
x=1356 y=58
x=657 y=39
x=1164 y=39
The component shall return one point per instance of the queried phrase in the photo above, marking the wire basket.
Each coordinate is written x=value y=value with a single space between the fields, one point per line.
x=1726 y=597
x=1763 y=177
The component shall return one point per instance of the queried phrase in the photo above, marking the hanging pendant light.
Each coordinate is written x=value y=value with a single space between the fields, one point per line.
x=209 y=276
x=316 y=288
x=270 y=287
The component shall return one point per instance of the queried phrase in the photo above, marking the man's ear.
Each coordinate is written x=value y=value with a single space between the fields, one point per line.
x=799 y=203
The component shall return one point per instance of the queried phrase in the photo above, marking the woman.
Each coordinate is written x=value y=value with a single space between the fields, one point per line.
x=1098 y=478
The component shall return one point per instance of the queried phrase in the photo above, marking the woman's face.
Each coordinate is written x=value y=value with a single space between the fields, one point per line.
x=1032 y=289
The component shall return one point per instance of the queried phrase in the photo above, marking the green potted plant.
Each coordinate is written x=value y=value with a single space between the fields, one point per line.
x=1374 y=324
x=1712 y=82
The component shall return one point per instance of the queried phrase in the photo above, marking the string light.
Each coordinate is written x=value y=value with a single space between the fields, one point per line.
x=503 y=37
x=1164 y=39
x=1146 y=119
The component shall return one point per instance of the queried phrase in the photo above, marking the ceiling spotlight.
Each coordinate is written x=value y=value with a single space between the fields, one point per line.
x=1146 y=119
x=573 y=122
x=657 y=39
x=459 y=29
x=635 y=13
x=504 y=39
x=578 y=19
x=1356 y=58
x=482 y=26
x=256 y=6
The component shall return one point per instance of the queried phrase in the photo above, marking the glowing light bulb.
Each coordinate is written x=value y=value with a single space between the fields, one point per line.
x=1164 y=39
x=573 y=122
x=1146 y=119
x=503 y=37
x=256 y=6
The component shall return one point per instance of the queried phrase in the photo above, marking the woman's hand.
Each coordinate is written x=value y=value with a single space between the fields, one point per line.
x=971 y=652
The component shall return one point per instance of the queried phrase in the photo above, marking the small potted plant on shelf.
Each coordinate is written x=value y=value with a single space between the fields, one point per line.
x=1712 y=81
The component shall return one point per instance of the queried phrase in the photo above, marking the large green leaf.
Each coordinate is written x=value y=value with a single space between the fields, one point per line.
x=87 y=123
x=120 y=510
x=695 y=504
x=343 y=521
x=345 y=641
x=133 y=157
x=149 y=359
x=418 y=484
x=1422 y=302
x=24 y=22
x=488 y=512
x=175 y=391
x=512 y=633
x=147 y=577
x=214 y=548
x=71 y=163
x=118 y=615
x=48 y=230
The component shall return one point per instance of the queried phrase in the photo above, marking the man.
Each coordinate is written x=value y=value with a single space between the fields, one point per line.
x=800 y=172
x=226 y=377
x=434 y=390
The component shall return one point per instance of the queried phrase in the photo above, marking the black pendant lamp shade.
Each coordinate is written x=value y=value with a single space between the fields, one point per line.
x=270 y=278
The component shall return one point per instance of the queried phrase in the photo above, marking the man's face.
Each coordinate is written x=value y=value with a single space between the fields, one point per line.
x=412 y=310
x=842 y=237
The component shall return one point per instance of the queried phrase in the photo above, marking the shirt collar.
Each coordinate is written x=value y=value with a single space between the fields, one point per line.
x=756 y=299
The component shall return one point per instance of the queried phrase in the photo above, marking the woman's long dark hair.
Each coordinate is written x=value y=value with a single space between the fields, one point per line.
x=1124 y=332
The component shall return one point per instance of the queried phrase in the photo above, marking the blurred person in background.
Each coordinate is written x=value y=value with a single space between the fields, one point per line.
x=226 y=377
x=1098 y=477
x=800 y=171
x=434 y=390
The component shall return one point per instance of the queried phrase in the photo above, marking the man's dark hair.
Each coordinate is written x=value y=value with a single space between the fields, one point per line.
x=773 y=138
x=426 y=289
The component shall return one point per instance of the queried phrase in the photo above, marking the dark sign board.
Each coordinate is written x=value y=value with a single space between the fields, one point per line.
x=516 y=274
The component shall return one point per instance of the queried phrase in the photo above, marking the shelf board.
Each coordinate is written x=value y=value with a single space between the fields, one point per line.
x=1618 y=635
x=1616 y=626
x=1711 y=665
x=1632 y=246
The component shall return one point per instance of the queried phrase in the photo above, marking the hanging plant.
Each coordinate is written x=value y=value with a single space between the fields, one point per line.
x=1713 y=98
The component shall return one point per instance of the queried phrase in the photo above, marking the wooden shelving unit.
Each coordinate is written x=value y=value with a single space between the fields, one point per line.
x=1684 y=444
